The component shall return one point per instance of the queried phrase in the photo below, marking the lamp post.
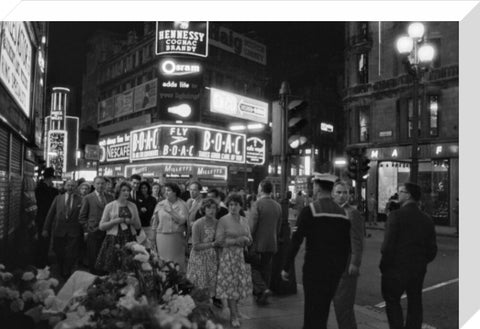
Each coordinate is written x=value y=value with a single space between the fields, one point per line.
x=418 y=54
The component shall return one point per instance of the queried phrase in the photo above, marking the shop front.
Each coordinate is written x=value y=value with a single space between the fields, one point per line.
x=437 y=177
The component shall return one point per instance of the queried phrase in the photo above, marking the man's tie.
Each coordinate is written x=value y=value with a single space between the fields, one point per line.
x=103 y=200
x=69 y=206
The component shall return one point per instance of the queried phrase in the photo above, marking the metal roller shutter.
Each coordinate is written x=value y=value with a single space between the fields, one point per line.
x=15 y=184
x=4 y=155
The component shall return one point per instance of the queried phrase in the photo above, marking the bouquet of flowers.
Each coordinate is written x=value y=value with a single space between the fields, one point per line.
x=146 y=292
x=24 y=294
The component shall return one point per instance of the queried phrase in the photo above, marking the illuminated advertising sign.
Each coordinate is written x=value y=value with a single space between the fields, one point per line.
x=56 y=151
x=187 y=142
x=182 y=37
x=16 y=62
x=238 y=106
x=177 y=170
x=177 y=68
x=255 y=151
x=327 y=127
x=111 y=170
x=114 y=148
x=230 y=41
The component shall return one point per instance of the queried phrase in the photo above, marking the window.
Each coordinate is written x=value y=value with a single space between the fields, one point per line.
x=363 y=123
x=410 y=117
x=362 y=68
x=433 y=114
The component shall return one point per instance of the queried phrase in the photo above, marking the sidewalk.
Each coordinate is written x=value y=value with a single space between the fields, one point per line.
x=286 y=312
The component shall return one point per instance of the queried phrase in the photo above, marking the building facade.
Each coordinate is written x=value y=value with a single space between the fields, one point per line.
x=379 y=109
x=23 y=53
x=183 y=101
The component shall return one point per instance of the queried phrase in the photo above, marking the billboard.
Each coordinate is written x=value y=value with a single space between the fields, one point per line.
x=238 y=106
x=123 y=103
x=182 y=37
x=230 y=41
x=145 y=95
x=187 y=142
x=105 y=109
x=56 y=151
x=16 y=63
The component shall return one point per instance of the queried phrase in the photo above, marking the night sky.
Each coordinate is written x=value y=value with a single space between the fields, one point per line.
x=287 y=44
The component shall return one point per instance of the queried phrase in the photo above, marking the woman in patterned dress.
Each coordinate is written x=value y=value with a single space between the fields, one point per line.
x=234 y=280
x=120 y=219
x=203 y=262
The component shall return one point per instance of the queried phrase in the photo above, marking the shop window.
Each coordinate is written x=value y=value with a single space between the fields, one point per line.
x=433 y=115
x=363 y=123
x=362 y=68
x=410 y=117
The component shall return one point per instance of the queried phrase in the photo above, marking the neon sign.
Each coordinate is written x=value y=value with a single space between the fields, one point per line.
x=191 y=142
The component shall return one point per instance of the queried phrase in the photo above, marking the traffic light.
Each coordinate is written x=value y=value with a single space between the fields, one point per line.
x=352 y=169
x=363 y=166
x=297 y=120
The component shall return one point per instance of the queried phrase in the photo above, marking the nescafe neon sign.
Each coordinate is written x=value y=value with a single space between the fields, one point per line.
x=173 y=68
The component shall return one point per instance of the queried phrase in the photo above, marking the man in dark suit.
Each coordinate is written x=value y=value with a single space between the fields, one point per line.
x=90 y=216
x=265 y=222
x=45 y=193
x=67 y=231
x=409 y=245
x=135 y=183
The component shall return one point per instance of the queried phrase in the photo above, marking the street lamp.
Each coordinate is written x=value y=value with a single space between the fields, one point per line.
x=418 y=55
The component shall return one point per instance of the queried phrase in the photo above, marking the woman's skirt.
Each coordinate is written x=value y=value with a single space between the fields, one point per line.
x=171 y=247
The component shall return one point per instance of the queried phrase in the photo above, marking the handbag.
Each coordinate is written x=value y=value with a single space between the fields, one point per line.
x=251 y=256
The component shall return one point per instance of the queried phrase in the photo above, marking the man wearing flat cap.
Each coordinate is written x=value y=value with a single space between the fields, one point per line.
x=326 y=228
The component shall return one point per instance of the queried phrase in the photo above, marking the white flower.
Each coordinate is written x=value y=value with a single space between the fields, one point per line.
x=49 y=301
x=53 y=282
x=43 y=274
x=128 y=302
x=27 y=295
x=27 y=276
x=141 y=258
x=5 y=276
x=146 y=267
x=13 y=294
x=139 y=249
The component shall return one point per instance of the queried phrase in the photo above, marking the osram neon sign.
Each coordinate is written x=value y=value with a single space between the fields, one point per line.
x=173 y=68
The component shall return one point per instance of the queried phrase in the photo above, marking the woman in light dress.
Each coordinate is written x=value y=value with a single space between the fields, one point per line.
x=168 y=223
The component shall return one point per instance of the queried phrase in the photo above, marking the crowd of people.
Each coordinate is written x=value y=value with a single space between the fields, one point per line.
x=226 y=242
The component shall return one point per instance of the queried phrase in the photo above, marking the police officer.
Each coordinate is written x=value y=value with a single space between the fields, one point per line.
x=326 y=227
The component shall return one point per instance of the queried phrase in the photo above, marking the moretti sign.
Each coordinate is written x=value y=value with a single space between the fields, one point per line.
x=187 y=142
x=183 y=37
